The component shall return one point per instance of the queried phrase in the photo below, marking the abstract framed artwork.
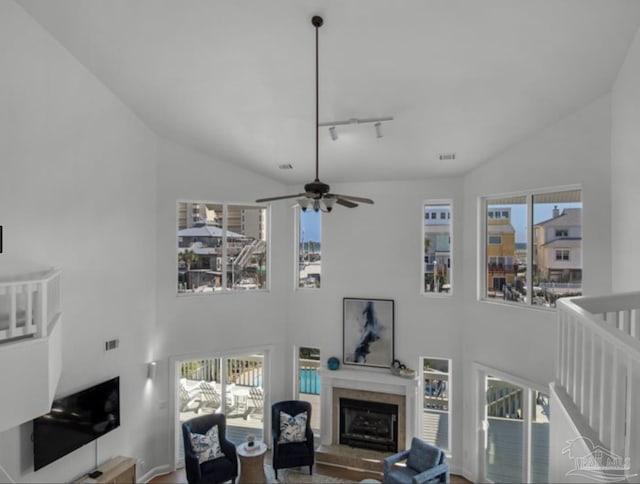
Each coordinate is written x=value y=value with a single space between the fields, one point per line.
x=367 y=326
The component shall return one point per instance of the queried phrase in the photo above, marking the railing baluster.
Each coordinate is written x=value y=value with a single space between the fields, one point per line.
x=568 y=381
x=577 y=347
x=633 y=422
x=43 y=312
x=13 y=310
x=560 y=352
x=618 y=402
x=634 y=317
x=29 y=323
x=585 y=379
x=603 y=390
x=594 y=412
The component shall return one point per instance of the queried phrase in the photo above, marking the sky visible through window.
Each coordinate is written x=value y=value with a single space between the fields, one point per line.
x=310 y=226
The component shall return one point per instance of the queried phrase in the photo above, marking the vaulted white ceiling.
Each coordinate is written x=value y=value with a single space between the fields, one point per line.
x=235 y=79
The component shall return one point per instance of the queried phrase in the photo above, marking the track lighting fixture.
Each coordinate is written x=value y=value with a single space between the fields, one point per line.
x=377 y=123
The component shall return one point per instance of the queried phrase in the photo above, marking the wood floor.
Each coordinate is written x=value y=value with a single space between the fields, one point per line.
x=179 y=477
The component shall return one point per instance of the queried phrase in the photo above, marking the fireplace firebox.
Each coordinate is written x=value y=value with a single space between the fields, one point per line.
x=369 y=425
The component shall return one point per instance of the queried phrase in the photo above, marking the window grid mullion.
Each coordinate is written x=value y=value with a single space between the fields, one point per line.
x=531 y=245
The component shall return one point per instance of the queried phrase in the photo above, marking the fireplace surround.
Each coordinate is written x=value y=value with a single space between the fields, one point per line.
x=369 y=386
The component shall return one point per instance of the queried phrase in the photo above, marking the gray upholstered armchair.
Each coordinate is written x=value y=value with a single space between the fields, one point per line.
x=425 y=463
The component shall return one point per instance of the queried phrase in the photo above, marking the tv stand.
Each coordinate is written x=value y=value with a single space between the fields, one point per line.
x=119 y=470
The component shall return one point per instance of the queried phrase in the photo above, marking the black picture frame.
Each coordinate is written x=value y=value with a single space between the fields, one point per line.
x=368 y=332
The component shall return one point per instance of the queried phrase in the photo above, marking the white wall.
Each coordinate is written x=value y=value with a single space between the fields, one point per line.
x=522 y=341
x=201 y=325
x=77 y=191
x=377 y=252
x=625 y=172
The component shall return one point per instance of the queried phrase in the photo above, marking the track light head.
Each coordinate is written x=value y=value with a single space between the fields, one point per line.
x=378 y=127
x=333 y=133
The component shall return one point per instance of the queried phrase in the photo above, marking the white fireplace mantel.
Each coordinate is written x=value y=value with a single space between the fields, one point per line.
x=369 y=380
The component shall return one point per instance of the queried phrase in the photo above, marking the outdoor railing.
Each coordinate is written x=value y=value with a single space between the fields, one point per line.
x=436 y=392
x=598 y=366
x=28 y=304
x=246 y=371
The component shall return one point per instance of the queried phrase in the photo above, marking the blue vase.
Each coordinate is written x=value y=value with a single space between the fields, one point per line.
x=333 y=363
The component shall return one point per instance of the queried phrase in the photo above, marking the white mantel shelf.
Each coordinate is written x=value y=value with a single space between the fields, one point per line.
x=379 y=381
x=369 y=380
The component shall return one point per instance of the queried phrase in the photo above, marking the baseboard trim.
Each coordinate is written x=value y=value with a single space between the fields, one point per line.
x=156 y=471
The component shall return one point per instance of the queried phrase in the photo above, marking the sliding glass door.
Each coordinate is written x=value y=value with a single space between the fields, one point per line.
x=232 y=384
x=515 y=440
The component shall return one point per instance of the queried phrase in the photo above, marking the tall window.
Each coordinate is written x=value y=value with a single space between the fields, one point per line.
x=309 y=383
x=437 y=247
x=536 y=237
x=436 y=404
x=309 y=254
x=222 y=247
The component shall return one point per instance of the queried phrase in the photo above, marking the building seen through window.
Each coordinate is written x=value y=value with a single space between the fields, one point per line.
x=547 y=249
x=221 y=247
x=437 y=247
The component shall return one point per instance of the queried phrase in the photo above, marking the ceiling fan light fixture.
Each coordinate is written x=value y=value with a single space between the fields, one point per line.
x=304 y=203
x=329 y=202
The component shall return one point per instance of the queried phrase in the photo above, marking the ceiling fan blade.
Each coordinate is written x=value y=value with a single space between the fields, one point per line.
x=355 y=199
x=270 y=199
x=345 y=203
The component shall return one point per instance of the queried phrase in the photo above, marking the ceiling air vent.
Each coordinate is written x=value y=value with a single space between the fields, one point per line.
x=447 y=156
x=285 y=166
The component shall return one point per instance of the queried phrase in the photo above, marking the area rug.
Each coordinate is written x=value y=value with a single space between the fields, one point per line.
x=294 y=476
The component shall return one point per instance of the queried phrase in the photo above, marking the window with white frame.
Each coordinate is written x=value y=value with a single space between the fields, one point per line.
x=309 y=253
x=533 y=236
x=437 y=253
x=221 y=247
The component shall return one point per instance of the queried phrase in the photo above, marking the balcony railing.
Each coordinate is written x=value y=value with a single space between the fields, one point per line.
x=599 y=366
x=28 y=304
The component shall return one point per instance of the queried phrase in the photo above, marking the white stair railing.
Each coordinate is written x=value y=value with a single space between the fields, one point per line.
x=598 y=366
x=28 y=304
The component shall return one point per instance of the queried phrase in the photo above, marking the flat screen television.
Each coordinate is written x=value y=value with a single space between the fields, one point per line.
x=76 y=420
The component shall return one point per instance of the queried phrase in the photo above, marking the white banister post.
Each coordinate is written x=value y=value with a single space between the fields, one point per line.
x=42 y=319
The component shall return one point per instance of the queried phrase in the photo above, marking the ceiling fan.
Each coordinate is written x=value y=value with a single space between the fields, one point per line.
x=317 y=195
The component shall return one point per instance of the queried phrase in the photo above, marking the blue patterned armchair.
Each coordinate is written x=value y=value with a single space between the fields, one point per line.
x=425 y=463
x=293 y=453
x=221 y=469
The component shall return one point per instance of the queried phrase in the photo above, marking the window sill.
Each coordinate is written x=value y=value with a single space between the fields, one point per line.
x=499 y=302
x=219 y=293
